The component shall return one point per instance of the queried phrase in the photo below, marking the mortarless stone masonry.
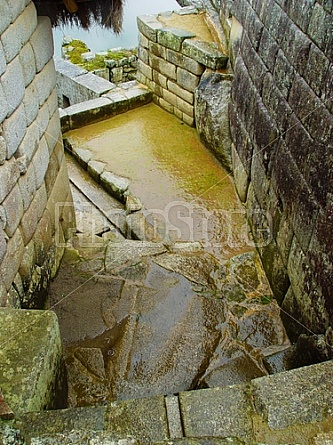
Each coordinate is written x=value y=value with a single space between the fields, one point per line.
x=33 y=174
x=282 y=128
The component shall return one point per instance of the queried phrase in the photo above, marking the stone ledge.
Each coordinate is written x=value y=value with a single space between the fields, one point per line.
x=173 y=38
x=116 y=101
x=148 y=25
x=205 y=53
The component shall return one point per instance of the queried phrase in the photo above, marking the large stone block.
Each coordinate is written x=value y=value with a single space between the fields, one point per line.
x=96 y=85
x=301 y=13
x=26 y=23
x=14 y=128
x=42 y=120
x=170 y=97
x=240 y=176
x=31 y=103
x=254 y=28
x=13 y=85
x=317 y=67
x=12 y=260
x=303 y=101
x=217 y=412
x=320 y=27
x=308 y=297
x=159 y=79
x=94 y=110
x=205 y=53
x=180 y=92
x=42 y=43
x=318 y=172
x=143 y=55
x=11 y=42
x=3 y=150
x=4 y=109
x=3 y=250
x=41 y=162
x=241 y=139
x=31 y=358
x=45 y=82
x=52 y=103
x=187 y=80
x=283 y=74
x=276 y=103
x=148 y=26
x=255 y=66
x=5 y=16
x=266 y=135
x=173 y=38
x=33 y=214
x=2 y=59
x=143 y=41
x=297 y=198
x=27 y=184
x=29 y=223
x=268 y=50
x=185 y=107
x=164 y=67
x=146 y=70
x=13 y=206
x=43 y=238
x=295 y=397
x=52 y=173
x=29 y=143
x=16 y=8
x=53 y=132
x=192 y=66
x=295 y=45
x=9 y=174
x=28 y=63
x=157 y=49
x=145 y=419
x=58 y=196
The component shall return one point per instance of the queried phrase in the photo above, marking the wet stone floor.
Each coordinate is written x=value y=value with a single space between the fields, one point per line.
x=190 y=308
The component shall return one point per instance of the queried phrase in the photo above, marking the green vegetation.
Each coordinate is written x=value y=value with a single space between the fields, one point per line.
x=76 y=48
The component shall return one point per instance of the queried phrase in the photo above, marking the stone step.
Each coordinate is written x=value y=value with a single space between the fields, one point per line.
x=293 y=407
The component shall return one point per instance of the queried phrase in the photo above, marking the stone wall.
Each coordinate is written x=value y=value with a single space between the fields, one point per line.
x=33 y=174
x=171 y=62
x=282 y=128
x=76 y=85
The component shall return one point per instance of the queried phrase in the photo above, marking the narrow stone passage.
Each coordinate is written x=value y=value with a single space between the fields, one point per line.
x=164 y=312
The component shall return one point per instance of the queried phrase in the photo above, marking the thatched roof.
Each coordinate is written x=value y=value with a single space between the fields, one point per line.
x=107 y=13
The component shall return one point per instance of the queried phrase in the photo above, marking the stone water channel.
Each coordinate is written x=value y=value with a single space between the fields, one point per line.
x=163 y=292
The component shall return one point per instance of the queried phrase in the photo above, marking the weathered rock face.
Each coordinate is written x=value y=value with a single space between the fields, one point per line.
x=164 y=321
x=212 y=99
x=31 y=361
x=281 y=125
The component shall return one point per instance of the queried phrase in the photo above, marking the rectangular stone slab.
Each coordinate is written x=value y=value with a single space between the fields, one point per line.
x=144 y=419
x=205 y=53
x=218 y=412
x=30 y=358
x=302 y=395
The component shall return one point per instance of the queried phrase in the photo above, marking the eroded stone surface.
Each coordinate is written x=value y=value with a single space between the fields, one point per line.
x=31 y=358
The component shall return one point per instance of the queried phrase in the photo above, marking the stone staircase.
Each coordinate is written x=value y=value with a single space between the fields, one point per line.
x=291 y=408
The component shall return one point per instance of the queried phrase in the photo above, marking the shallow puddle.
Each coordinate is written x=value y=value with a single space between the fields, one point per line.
x=173 y=174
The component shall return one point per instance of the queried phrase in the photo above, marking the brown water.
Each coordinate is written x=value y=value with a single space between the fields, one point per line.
x=172 y=173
